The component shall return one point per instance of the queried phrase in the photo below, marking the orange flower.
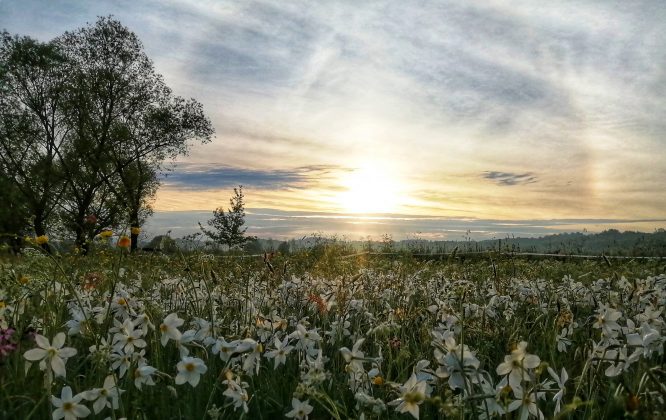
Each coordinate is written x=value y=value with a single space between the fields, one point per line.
x=124 y=242
x=41 y=240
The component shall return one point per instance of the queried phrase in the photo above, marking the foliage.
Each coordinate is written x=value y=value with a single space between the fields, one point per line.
x=86 y=127
x=361 y=336
x=228 y=226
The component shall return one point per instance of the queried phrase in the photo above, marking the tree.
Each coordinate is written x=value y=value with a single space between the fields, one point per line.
x=32 y=89
x=228 y=227
x=126 y=121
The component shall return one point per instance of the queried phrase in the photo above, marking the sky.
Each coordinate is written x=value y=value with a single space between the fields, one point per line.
x=432 y=119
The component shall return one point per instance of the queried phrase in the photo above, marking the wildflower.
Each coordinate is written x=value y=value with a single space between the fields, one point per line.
x=127 y=337
x=68 y=407
x=135 y=230
x=456 y=362
x=144 y=375
x=106 y=233
x=51 y=356
x=169 y=328
x=526 y=404
x=190 y=370
x=7 y=341
x=280 y=353
x=224 y=348
x=560 y=380
x=414 y=392
x=253 y=358
x=516 y=364
x=237 y=392
x=101 y=395
x=355 y=355
x=120 y=362
x=607 y=321
x=306 y=338
x=300 y=409
x=42 y=239
x=124 y=242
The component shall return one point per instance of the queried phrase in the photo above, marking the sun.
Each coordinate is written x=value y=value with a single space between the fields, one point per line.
x=369 y=189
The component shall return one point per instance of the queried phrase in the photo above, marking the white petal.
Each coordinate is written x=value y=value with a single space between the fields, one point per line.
x=35 y=354
x=42 y=341
x=59 y=340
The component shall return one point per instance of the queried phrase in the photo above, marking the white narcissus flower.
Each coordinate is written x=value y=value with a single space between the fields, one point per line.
x=68 y=407
x=561 y=381
x=280 y=353
x=169 y=328
x=126 y=337
x=237 y=392
x=144 y=375
x=51 y=355
x=300 y=409
x=526 y=404
x=190 y=370
x=516 y=365
x=607 y=320
x=414 y=392
x=102 y=395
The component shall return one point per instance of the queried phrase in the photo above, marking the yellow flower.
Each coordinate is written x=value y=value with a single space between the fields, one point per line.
x=136 y=230
x=378 y=380
x=106 y=233
x=41 y=240
x=23 y=279
x=124 y=242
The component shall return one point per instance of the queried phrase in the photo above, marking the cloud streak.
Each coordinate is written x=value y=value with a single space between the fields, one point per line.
x=510 y=179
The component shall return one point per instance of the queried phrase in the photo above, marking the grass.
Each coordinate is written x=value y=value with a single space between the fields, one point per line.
x=487 y=304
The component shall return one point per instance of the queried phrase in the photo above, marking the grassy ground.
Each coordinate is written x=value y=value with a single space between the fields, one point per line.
x=379 y=337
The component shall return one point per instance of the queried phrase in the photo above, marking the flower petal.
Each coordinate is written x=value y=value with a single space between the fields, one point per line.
x=59 y=340
x=35 y=354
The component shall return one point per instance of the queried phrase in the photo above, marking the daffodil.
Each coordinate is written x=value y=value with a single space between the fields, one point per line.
x=51 y=355
x=68 y=406
x=516 y=365
x=106 y=396
x=299 y=409
x=279 y=355
x=190 y=370
x=169 y=328
x=414 y=392
x=144 y=375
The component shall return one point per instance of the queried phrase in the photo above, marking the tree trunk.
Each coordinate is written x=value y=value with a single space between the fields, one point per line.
x=134 y=231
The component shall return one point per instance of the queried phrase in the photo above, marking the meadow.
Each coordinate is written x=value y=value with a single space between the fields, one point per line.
x=318 y=335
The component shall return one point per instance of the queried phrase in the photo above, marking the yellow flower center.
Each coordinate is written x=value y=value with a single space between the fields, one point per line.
x=413 y=397
x=163 y=328
x=68 y=406
x=189 y=367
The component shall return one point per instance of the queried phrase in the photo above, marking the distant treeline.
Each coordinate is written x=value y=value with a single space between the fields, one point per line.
x=609 y=242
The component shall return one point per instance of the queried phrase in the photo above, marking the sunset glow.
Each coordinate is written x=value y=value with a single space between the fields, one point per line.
x=479 y=110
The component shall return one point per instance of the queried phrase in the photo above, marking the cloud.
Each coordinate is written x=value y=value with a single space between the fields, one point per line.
x=214 y=177
x=508 y=178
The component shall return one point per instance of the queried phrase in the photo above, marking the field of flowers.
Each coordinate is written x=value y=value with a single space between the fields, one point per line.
x=314 y=335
